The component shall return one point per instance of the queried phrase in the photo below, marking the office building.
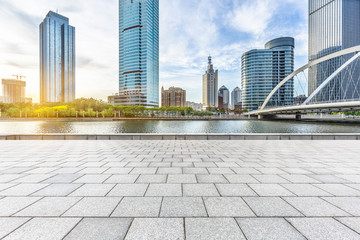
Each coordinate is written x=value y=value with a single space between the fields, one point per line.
x=139 y=53
x=174 y=97
x=334 y=25
x=264 y=69
x=223 y=98
x=57 y=59
x=210 y=86
x=14 y=91
x=236 y=97
x=195 y=106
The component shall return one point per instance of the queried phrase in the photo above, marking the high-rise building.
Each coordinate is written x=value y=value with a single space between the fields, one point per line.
x=139 y=53
x=334 y=25
x=236 y=97
x=14 y=91
x=210 y=86
x=174 y=97
x=57 y=59
x=223 y=98
x=264 y=69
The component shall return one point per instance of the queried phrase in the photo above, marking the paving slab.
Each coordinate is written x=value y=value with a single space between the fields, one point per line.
x=200 y=190
x=93 y=207
x=323 y=229
x=271 y=207
x=227 y=207
x=138 y=207
x=44 y=229
x=100 y=228
x=348 y=204
x=315 y=207
x=235 y=190
x=352 y=223
x=92 y=190
x=183 y=207
x=212 y=229
x=157 y=229
x=11 y=205
x=164 y=190
x=268 y=228
x=10 y=224
x=57 y=190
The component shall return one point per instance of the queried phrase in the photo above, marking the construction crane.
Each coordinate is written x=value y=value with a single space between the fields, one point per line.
x=19 y=76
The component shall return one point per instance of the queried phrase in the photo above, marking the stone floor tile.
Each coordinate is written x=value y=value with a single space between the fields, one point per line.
x=22 y=189
x=33 y=178
x=57 y=190
x=156 y=229
x=129 y=190
x=270 y=190
x=63 y=178
x=348 y=204
x=100 y=228
x=185 y=178
x=235 y=190
x=339 y=190
x=147 y=170
x=138 y=207
x=306 y=190
x=236 y=178
x=4 y=186
x=191 y=170
x=122 y=179
x=200 y=190
x=271 y=207
x=164 y=190
x=268 y=228
x=270 y=179
x=152 y=179
x=183 y=207
x=212 y=228
x=11 y=205
x=351 y=222
x=49 y=207
x=172 y=170
x=315 y=207
x=5 y=178
x=10 y=224
x=220 y=171
x=299 y=179
x=245 y=171
x=227 y=207
x=93 y=207
x=44 y=228
x=211 y=178
x=93 y=170
x=93 y=190
x=323 y=229
x=92 y=178
x=118 y=170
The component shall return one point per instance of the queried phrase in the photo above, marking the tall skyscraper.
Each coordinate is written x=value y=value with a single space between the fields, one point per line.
x=334 y=25
x=57 y=59
x=139 y=53
x=224 y=98
x=210 y=86
x=264 y=69
x=174 y=97
x=236 y=96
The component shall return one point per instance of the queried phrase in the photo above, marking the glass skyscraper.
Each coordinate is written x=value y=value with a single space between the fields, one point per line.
x=223 y=98
x=264 y=69
x=139 y=53
x=236 y=96
x=334 y=25
x=57 y=59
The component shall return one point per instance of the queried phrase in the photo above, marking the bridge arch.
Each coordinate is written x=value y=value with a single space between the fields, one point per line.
x=313 y=63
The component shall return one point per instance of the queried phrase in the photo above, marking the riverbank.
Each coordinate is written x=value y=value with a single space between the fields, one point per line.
x=253 y=136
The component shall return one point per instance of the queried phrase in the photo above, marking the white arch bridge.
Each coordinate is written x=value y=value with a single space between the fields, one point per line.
x=340 y=101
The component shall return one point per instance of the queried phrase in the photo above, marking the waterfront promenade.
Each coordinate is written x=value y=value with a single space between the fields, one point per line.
x=180 y=189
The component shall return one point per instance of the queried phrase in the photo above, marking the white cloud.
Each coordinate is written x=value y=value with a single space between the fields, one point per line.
x=189 y=32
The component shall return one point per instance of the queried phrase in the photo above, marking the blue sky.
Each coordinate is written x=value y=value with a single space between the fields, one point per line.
x=190 y=30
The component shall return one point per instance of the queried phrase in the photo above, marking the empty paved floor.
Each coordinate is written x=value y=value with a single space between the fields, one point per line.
x=180 y=190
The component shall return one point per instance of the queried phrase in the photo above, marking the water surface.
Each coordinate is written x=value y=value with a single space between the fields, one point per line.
x=148 y=126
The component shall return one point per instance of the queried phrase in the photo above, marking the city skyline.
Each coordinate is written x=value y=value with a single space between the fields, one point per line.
x=181 y=57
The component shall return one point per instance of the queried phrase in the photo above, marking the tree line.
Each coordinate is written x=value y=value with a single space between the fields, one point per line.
x=91 y=108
